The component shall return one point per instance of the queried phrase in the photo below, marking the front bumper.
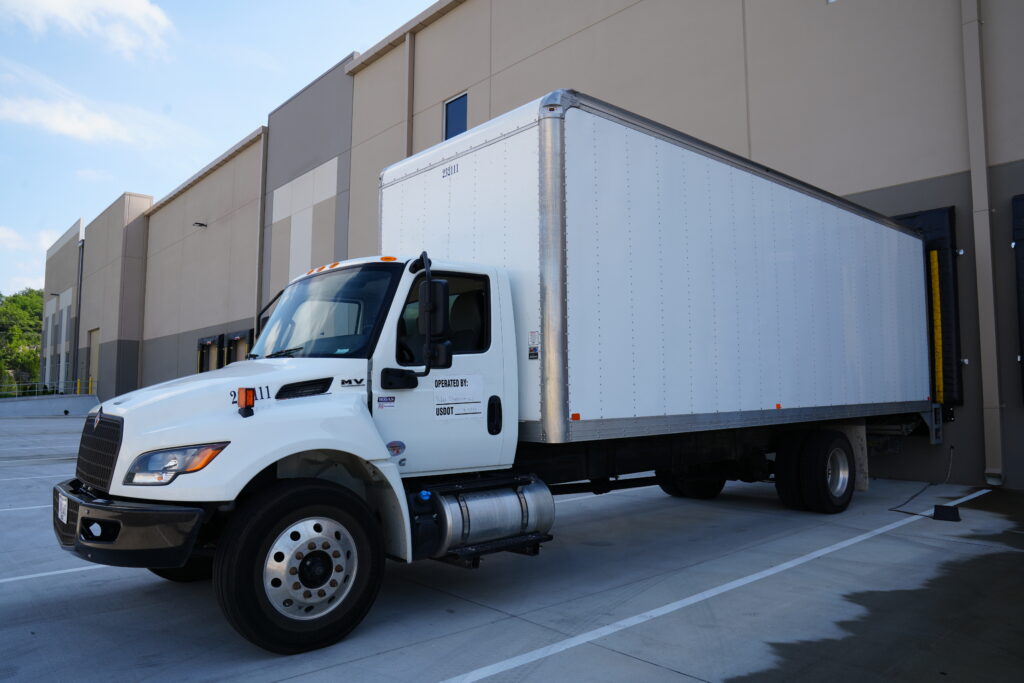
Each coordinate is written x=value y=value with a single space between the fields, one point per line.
x=123 y=533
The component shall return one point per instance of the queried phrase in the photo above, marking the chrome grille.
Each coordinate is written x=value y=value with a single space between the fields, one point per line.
x=97 y=451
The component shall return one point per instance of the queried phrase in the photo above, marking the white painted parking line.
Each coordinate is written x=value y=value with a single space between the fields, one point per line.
x=30 y=507
x=28 y=459
x=637 y=619
x=41 y=476
x=59 y=571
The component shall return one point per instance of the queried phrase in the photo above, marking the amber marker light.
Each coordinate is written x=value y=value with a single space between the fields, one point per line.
x=388 y=258
x=246 y=397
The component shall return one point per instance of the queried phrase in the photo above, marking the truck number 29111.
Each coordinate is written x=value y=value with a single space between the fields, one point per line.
x=261 y=393
x=448 y=171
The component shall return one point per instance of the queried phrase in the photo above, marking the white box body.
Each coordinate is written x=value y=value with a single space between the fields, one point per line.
x=662 y=285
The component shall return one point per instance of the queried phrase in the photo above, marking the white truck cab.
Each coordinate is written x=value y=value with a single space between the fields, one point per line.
x=607 y=297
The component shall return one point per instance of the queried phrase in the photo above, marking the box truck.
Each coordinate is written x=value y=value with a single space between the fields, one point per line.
x=568 y=294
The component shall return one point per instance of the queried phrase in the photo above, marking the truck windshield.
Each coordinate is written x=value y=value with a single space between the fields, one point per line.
x=334 y=315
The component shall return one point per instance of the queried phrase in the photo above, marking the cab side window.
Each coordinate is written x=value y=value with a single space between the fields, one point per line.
x=469 y=311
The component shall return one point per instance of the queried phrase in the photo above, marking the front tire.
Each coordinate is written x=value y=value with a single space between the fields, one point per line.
x=299 y=567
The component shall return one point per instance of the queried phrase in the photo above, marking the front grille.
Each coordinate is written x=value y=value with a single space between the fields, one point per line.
x=97 y=451
x=65 y=532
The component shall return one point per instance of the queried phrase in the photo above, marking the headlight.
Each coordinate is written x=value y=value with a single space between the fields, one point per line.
x=161 y=467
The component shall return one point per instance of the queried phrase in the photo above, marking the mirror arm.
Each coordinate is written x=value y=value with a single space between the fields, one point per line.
x=428 y=308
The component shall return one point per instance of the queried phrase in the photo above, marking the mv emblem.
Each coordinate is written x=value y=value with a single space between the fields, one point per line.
x=352 y=382
x=96 y=420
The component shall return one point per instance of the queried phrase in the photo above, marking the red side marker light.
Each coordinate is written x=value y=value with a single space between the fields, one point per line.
x=778 y=406
x=574 y=416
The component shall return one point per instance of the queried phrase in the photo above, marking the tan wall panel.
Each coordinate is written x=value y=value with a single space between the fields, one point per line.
x=247 y=175
x=452 y=53
x=280 y=241
x=525 y=27
x=242 y=263
x=857 y=95
x=166 y=226
x=679 y=63
x=204 y=276
x=163 y=294
x=62 y=270
x=1003 y=58
x=427 y=128
x=379 y=96
x=368 y=159
x=323 y=232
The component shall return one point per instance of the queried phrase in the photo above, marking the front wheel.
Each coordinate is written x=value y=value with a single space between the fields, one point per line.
x=299 y=567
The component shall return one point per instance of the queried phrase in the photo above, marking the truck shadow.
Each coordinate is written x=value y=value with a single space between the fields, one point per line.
x=962 y=624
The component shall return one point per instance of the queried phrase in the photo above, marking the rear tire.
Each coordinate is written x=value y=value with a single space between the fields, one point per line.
x=280 y=593
x=704 y=488
x=196 y=569
x=828 y=472
x=788 y=458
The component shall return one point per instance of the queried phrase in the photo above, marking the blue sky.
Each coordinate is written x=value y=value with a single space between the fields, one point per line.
x=99 y=97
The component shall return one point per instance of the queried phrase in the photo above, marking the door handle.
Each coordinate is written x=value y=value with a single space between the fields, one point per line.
x=494 y=415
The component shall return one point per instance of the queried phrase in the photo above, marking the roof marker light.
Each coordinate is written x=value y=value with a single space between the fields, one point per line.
x=388 y=258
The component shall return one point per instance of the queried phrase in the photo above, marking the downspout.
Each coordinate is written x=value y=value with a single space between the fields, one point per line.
x=974 y=100
x=78 y=307
x=410 y=79
x=260 y=238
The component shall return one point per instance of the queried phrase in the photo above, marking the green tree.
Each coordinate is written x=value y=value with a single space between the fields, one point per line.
x=21 y=320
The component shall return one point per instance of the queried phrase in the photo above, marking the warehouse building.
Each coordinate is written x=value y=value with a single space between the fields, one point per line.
x=909 y=108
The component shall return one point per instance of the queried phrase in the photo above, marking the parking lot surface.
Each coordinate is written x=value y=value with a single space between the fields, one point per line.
x=636 y=586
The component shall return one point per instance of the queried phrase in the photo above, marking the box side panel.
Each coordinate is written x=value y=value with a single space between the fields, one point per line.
x=484 y=209
x=698 y=288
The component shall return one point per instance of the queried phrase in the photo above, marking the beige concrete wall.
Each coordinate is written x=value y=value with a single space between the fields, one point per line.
x=849 y=96
x=1003 y=59
x=113 y=263
x=103 y=264
x=200 y=277
x=60 y=312
x=854 y=96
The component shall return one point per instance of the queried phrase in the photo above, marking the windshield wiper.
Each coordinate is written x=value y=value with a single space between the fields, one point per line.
x=284 y=352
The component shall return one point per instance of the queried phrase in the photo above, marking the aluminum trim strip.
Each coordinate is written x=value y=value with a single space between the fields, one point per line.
x=621 y=428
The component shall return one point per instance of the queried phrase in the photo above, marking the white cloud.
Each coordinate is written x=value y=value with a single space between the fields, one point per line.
x=31 y=98
x=22 y=260
x=124 y=26
x=11 y=239
x=67 y=117
x=92 y=175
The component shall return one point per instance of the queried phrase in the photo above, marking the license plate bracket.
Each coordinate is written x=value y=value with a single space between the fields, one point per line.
x=62 y=508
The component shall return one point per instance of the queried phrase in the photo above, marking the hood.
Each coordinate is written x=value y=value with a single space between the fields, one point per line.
x=212 y=395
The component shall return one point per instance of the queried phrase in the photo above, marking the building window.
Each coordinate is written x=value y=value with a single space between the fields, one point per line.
x=455 y=116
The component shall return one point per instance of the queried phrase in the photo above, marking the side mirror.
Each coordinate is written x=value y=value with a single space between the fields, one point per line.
x=441 y=355
x=433 y=316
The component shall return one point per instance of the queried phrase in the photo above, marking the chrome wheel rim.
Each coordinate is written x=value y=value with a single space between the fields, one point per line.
x=837 y=472
x=310 y=568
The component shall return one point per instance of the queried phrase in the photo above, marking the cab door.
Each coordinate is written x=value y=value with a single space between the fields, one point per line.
x=454 y=419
